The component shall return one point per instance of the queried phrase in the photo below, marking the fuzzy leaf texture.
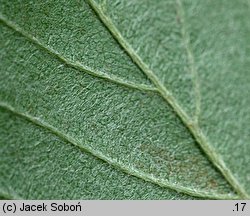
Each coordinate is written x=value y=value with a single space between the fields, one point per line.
x=122 y=99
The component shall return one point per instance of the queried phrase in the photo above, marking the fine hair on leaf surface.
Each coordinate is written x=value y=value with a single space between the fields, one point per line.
x=104 y=99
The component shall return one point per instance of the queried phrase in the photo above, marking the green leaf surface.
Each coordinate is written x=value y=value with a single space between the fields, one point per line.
x=124 y=99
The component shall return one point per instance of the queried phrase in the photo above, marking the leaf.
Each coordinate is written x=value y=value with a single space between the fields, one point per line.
x=124 y=99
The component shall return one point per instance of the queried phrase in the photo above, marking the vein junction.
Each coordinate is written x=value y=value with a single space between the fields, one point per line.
x=190 y=56
x=191 y=124
x=159 y=87
x=127 y=169
x=76 y=64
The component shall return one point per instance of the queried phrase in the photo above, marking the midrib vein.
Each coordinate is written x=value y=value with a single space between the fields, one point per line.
x=74 y=64
x=192 y=125
x=159 y=87
x=123 y=167
x=130 y=170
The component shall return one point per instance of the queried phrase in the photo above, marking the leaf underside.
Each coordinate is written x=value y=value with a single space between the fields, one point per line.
x=124 y=99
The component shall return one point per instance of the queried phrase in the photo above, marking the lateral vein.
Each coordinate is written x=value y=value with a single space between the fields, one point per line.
x=192 y=126
x=125 y=168
x=190 y=56
x=75 y=64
